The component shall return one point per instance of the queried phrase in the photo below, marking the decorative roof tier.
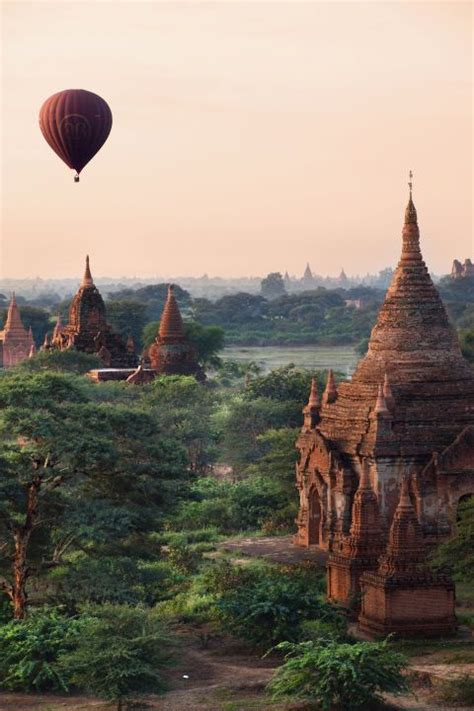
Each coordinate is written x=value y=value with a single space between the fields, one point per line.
x=414 y=351
x=88 y=331
x=171 y=324
x=171 y=353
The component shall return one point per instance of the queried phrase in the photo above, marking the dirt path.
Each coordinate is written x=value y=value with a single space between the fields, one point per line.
x=277 y=549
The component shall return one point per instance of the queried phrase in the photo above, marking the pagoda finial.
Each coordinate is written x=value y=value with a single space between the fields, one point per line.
x=313 y=395
x=311 y=410
x=411 y=217
x=87 y=279
x=330 y=391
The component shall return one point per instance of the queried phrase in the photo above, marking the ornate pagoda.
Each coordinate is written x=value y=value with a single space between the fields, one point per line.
x=409 y=407
x=15 y=341
x=171 y=353
x=88 y=330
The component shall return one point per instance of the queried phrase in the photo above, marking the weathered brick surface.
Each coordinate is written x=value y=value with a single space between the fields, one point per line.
x=409 y=407
x=171 y=353
x=403 y=595
x=88 y=330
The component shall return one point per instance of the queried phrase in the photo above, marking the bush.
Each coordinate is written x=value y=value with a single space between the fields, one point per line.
x=272 y=607
x=118 y=654
x=118 y=580
x=29 y=651
x=456 y=555
x=335 y=675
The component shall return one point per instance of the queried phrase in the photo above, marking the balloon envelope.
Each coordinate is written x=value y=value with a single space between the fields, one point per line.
x=76 y=124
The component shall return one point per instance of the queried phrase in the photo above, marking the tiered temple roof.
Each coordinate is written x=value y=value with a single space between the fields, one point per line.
x=171 y=353
x=88 y=330
x=414 y=349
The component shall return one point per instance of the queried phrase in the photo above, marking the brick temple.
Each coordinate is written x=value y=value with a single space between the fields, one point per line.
x=16 y=343
x=406 y=415
x=171 y=353
x=88 y=331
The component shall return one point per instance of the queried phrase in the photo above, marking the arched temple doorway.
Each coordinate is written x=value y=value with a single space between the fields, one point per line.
x=315 y=518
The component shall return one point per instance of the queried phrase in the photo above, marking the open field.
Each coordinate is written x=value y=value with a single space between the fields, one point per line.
x=341 y=358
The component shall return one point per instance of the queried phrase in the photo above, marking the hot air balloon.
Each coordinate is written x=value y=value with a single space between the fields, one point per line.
x=76 y=124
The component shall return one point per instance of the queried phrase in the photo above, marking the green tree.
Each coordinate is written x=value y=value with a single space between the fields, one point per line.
x=184 y=409
x=456 y=555
x=208 y=340
x=119 y=654
x=64 y=457
x=70 y=361
x=272 y=286
x=29 y=651
x=467 y=344
x=334 y=675
x=127 y=317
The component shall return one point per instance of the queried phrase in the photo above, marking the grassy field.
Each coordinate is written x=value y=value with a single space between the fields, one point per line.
x=341 y=358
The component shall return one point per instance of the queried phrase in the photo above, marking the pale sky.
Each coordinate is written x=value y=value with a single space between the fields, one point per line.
x=248 y=137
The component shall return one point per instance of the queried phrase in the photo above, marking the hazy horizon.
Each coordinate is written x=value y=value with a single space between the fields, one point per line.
x=247 y=137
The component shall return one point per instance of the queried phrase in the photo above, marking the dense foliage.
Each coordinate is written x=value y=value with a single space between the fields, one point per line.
x=335 y=675
x=457 y=554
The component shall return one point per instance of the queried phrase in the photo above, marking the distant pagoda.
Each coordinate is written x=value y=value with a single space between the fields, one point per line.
x=171 y=353
x=16 y=342
x=88 y=331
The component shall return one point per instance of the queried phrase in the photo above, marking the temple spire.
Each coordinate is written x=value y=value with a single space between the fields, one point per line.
x=330 y=391
x=411 y=234
x=311 y=410
x=87 y=279
x=13 y=321
x=171 y=324
x=313 y=395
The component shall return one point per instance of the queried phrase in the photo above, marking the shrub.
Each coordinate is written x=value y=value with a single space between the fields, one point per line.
x=272 y=608
x=456 y=555
x=29 y=651
x=184 y=558
x=223 y=577
x=118 y=654
x=334 y=629
x=335 y=675
x=118 y=580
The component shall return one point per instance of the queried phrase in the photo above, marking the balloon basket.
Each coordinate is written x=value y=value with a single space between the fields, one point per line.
x=76 y=178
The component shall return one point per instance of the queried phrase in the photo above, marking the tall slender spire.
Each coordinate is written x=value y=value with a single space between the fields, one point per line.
x=411 y=233
x=330 y=391
x=87 y=279
x=171 y=324
x=313 y=395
